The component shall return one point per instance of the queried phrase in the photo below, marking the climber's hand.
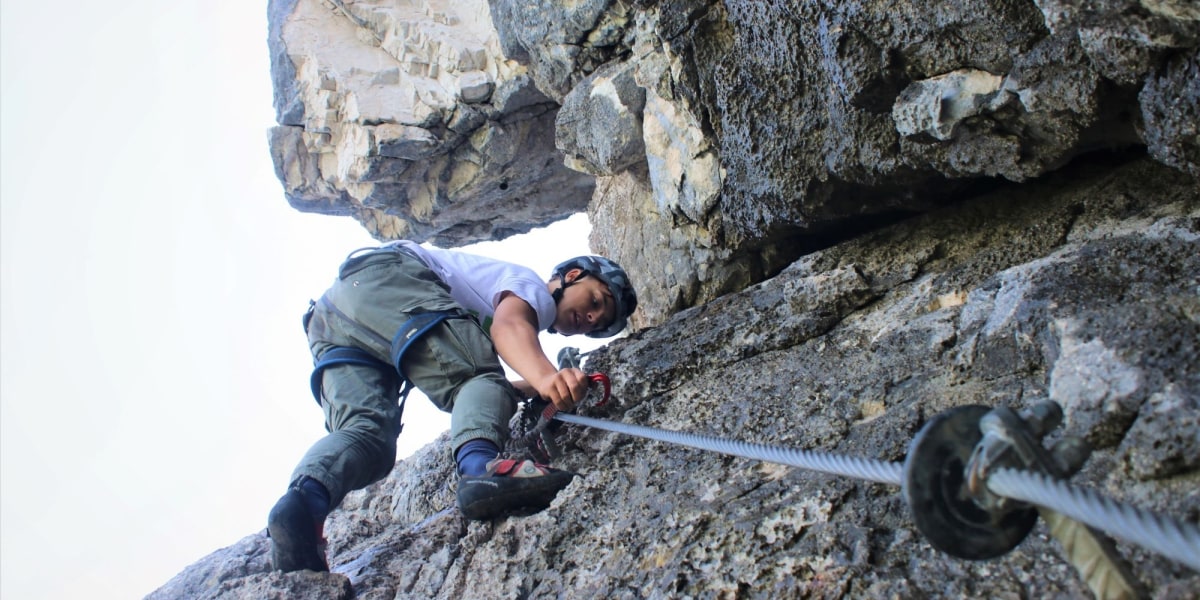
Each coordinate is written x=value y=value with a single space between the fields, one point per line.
x=564 y=388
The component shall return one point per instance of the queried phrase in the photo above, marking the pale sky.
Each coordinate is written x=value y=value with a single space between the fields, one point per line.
x=153 y=375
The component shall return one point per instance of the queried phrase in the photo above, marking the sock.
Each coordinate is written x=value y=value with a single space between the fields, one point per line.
x=473 y=457
x=315 y=496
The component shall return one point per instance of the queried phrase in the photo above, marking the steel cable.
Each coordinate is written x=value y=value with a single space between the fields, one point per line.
x=1179 y=541
x=836 y=464
x=1174 y=540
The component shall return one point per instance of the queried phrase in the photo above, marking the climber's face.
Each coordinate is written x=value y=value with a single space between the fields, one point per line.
x=586 y=306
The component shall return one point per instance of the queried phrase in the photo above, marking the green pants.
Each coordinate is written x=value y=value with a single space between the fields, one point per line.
x=454 y=364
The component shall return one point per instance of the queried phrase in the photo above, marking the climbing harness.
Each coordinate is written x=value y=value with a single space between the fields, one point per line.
x=343 y=355
x=976 y=479
x=409 y=332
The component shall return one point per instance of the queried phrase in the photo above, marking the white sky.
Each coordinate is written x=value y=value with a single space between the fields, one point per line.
x=153 y=374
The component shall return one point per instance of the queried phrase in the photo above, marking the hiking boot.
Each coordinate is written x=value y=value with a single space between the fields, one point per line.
x=510 y=487
x=297 y=538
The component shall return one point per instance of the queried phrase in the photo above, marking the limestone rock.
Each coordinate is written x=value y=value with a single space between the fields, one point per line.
x=406 y=116
x=760 y=144
x=1127 y=39
x=599 y=127
x=843 y=218
x=475 y=87
x=781 y=139
x=561 y=42
x=936 y=105
x=1171 y=113
x=243 y=571
x=1080 y=288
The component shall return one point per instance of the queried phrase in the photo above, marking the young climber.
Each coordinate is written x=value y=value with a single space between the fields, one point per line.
x=436 y=319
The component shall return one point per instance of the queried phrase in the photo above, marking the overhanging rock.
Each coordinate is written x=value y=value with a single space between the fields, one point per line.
x=406 y=116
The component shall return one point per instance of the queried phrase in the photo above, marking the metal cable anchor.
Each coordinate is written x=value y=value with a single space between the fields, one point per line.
x=945 y=484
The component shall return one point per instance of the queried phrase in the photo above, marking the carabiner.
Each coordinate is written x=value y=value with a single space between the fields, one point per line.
x=602 y=379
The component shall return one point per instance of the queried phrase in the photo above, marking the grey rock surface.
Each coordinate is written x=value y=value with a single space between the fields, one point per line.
x=825 y=119
x=843 y=218
x=1082 y=288
x=406 y=116
x=600 y=122
x=737 y=135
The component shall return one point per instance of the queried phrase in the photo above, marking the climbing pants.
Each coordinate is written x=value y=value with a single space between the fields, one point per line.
x=454 y=364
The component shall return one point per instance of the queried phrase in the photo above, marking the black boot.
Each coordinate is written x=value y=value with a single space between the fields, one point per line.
x=297 y=535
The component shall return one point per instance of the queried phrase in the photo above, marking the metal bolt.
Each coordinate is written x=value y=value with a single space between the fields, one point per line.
x=1043 y=417
x=1070 y=453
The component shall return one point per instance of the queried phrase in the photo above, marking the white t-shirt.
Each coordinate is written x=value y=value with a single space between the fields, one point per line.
x=477 y=282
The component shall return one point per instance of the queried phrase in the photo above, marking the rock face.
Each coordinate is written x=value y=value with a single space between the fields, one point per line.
x=843 y=219
x=713 y=143
x=405 y=115
x=772 y=128
x=1082 y=288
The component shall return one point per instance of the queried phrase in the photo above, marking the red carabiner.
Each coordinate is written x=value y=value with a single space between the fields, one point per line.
x=602 y=379
x=551 y=410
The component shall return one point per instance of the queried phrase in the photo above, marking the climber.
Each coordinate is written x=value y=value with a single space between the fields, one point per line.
x=402 y=315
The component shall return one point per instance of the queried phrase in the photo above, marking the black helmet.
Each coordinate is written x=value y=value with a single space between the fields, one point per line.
x=614 y=277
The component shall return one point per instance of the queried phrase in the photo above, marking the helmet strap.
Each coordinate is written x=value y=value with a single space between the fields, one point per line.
x=562 y=286
x=558 y=293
